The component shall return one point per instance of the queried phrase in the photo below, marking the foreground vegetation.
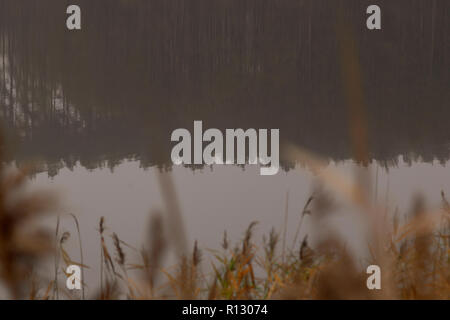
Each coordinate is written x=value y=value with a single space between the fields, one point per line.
x=414 y=258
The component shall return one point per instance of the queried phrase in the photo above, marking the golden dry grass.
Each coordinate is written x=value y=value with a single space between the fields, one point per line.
x=414 y=257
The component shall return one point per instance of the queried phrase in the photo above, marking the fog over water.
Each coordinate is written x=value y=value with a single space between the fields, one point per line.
x=223 y=198
x=93 y=110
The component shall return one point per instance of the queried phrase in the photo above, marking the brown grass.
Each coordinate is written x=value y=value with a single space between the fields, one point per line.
x=414 y=257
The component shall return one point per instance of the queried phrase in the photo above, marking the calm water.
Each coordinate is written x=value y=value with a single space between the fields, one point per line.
x=94 y=109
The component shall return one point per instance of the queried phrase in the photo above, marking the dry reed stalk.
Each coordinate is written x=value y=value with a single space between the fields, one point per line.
x=81 y=252
x=23 y=244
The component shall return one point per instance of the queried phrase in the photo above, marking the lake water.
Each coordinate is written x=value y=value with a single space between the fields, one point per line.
x=93 y=110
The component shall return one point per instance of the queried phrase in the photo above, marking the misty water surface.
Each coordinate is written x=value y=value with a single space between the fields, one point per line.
x=93 y=110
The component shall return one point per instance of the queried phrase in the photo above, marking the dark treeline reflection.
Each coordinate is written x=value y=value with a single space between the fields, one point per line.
x=139 y=69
